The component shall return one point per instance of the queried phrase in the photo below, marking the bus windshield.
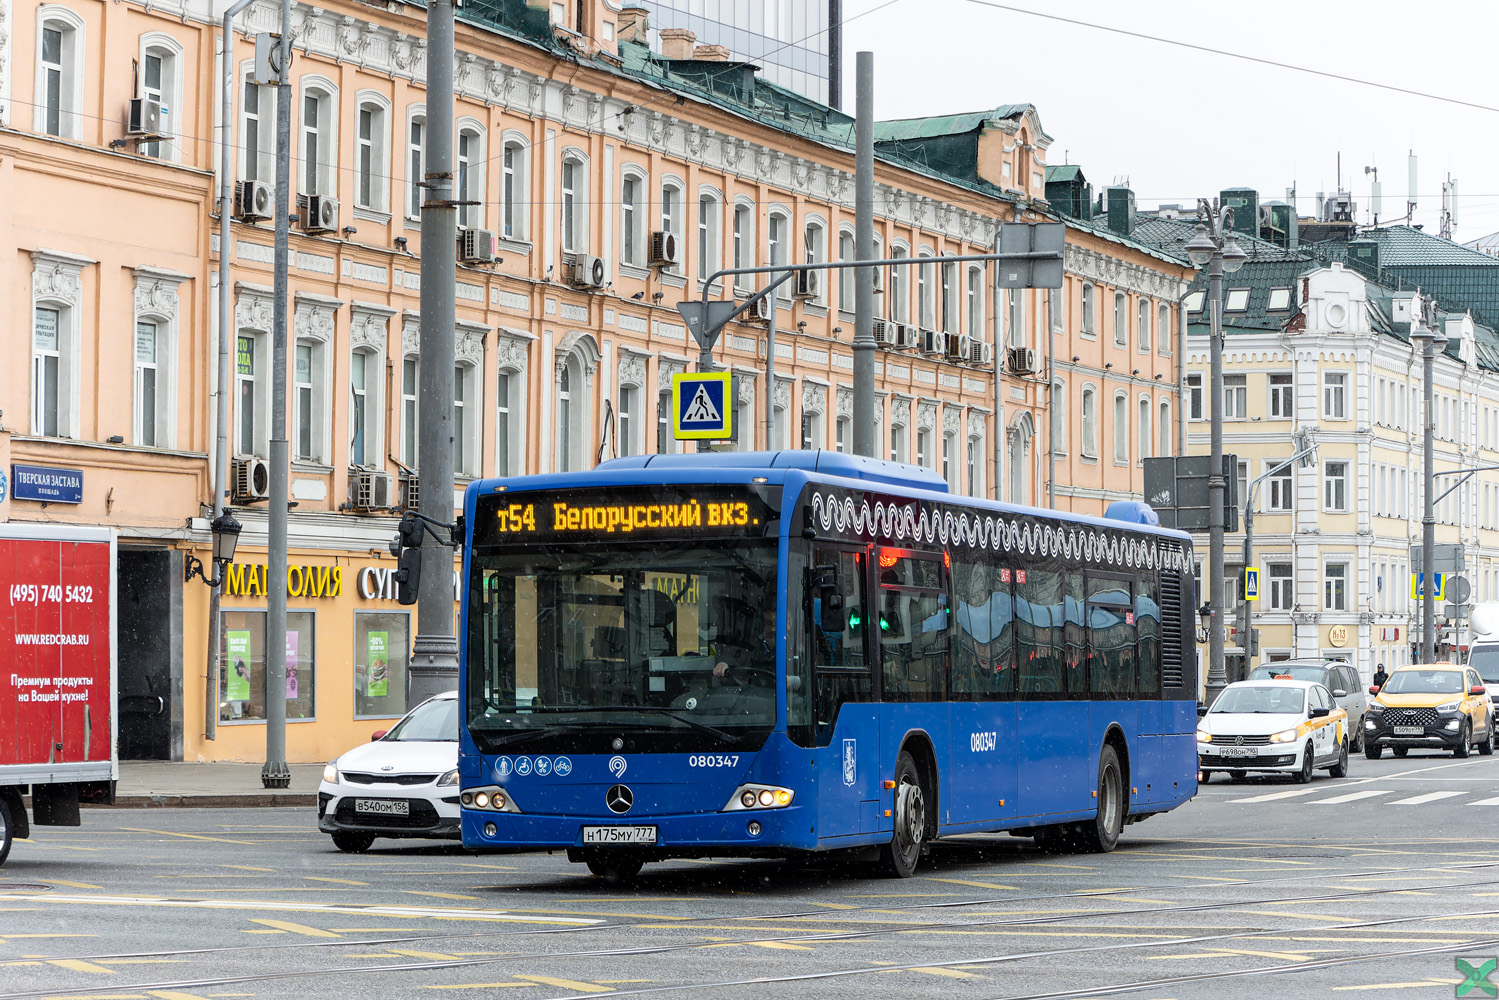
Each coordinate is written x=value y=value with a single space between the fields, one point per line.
x=664 y=645
x=1485 y=660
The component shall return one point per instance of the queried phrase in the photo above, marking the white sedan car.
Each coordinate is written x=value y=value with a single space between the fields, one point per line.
x=1289 y=726
x=404 y=784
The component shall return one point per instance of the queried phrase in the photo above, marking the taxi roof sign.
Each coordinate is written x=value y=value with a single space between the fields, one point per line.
x=701 y=406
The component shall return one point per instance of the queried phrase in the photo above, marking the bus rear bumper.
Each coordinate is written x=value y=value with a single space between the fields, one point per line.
x=767 y=831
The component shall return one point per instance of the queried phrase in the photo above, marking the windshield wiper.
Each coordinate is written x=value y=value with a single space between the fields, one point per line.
x=701 y=727
x=531 y=734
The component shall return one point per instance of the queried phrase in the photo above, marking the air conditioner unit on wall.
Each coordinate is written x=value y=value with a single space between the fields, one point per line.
x=475 y=246
x=370 y=490
x=808 y=284
x=956 y=348
x=663 y=248
x=1023 y=361
x=905 y=336
x=148 y=118
x=979 y=353
x=254 y=201
x=885 y=333
x=931 y=341
x=759 y=312
x=411 y=492
x=585 y=271
x=317 y=213
x=250 y=479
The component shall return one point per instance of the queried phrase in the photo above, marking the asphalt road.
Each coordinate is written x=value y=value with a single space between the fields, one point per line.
x=1374 y=884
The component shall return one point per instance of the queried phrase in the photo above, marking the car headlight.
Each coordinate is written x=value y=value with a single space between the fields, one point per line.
x=1375 y=708
x=1285 y=736
x=451 y=778
x=1204 y=737
x=1450 y=707
x=330 y=772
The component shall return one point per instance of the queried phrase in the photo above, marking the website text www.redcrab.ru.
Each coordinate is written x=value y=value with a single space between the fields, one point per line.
x=52 y=639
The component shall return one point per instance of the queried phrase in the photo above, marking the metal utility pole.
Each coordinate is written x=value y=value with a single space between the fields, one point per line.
x=1214 y=245
x=1424 y=330
x=434 y=653
x=770 y=371
x=275 y=773
x=835 y=54
x=864 y=345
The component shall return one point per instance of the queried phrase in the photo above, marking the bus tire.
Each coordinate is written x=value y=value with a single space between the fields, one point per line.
x=901 y=856
x=615 y=868
x=7 y=827
x=1102 y=834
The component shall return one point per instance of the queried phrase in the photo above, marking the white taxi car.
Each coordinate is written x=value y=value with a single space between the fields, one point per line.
x=403 y=783
x=1287 y=726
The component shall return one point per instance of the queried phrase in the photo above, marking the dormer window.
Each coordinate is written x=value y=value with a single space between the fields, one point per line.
x=1237 y=300
x=1280 y=300
x=1193 y=301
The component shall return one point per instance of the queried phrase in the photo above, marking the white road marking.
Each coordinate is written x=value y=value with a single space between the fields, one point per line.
x=1279 y=795
x=1416 y=800
x=298 y=906
x=1485 y=802
x=1351 y=797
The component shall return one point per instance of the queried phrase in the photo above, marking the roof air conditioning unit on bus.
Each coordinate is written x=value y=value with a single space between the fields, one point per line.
x=759 y=311
x=808 y=284
x=931 y=341
x=884 y=332
x=317 y=213
x=980 y=353
x=254 y=201
x=585 y=271
x=955 y=348
x=1023 y=361
x=475 y=246
x=250 y=479
x=148 y=118
x=411 y=492
x=372 y=490
x=663 y=248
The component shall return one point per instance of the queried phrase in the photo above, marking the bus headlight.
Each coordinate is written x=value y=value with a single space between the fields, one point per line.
x=489 y=799
x=759 y=797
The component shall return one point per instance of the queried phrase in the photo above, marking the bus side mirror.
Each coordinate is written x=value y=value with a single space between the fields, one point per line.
x=827 y=583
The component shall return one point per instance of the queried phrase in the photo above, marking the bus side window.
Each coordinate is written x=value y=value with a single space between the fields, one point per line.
x=1076 y=637
x=914 y=620
x=983 y=661
x=1038 y=608
x=1148 y=628
x=1111 y=638
x=836 y=638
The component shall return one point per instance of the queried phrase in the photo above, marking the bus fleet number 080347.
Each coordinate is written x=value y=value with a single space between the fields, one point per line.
x=713 y=760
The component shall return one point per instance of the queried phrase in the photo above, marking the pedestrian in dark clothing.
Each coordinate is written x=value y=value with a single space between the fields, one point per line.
x=1380 y=676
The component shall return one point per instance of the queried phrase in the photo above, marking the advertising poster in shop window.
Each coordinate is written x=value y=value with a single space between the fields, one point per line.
x=291 y=665
x=238 y=686
x=379 y=664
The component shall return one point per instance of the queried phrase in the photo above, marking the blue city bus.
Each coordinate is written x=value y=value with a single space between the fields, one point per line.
x=780 y=653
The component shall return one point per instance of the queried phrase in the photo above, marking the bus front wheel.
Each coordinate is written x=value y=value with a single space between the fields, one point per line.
x=1102 y=834
x=903 y=852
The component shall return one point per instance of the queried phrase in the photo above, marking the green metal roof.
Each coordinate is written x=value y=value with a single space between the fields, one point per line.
x=1065 y=172
x=941 y=125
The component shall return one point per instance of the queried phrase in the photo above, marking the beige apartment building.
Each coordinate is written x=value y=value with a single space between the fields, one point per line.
x=607 y=181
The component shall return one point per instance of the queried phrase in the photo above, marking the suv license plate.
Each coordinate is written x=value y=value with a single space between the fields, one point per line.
x=619 y=835
x=385 y=807
x=1410 y=731
x=1240 y=751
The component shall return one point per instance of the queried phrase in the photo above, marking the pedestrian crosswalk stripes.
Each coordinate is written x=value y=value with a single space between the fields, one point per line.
x=1363 y=794
x=1367 y=793
x=1417 y=800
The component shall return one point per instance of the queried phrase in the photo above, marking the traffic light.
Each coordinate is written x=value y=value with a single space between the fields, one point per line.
x=406 y=546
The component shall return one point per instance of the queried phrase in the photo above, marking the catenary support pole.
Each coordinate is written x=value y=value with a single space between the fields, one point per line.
x=1217 y=485
x=434 y=654
x=226 y=338
x=770 y=371
x=275 y=773
x=1428 y=513
x=864 y=346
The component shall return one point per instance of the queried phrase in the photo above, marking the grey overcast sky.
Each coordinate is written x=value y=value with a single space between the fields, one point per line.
x=1181 y=124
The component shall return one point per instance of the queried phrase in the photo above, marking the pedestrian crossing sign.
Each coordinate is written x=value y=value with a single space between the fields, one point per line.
x=701 y=404
x=1439 y=590
x=1251 y=583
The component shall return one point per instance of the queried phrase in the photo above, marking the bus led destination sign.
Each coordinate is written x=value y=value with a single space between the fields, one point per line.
x=588 y=514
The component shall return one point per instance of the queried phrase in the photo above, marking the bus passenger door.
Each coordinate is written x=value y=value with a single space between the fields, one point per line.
x=846 y=720
x=982 y=775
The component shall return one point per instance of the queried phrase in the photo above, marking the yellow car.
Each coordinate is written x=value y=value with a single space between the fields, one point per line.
x=1439 y=705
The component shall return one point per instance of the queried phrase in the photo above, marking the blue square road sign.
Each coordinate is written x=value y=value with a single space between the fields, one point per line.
x=700 y=404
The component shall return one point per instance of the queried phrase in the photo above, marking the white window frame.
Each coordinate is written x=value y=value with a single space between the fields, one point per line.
x=257 y=151
x=374 y=391
x=414 y=160
x=1281 y=589
x=304 y=406
x=510 y=417
x=574 y=201
x=317 y=174
x=1163 y=428
x=260 y=396
x=1335 y=389
x=1121 y=320
x=1017 y=333
x=470 y=171
x=948 y=293
x=146 y=428
x=815 y=245
x=899 y=302
x=1121 y=427
x=1343 y=578
x=744 y=241
x=169 y=91
x=709 y=256
x=1281 y=486
x=372 y=170
x=777 y=232
x=1282 y=395
x=1143 y=432
x=514 y=210
x=1144 y=310
x=1058 y=402
x=468 y=417
x=900 y=442
x=1088 y=414
x=673 y=213
x=411 y=409
x=1163 y=329
x=847 y=250
x=975 y=294
x=1236 y=397
x=1335 y=496
x=634 y=225
x=69 y=69
x=1089 y=325
x=926 y=280
x=1196 y=397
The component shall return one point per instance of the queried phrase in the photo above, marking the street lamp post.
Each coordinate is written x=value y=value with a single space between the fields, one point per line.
x=1424 y=331
x=1213 y=245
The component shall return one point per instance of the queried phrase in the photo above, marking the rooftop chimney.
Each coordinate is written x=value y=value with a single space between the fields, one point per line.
x=677 y=43
x=632 y=25
x=711 y=53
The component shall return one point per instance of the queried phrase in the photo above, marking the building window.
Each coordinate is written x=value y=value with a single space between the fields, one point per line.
x=947 y=460
x=671 y=216
x=1282 y=395
x=813 y=436
x=628 y=401
x=1090 y=320
x=744 y=243
x=466 y=422
x=410 y=387
x=416 y=139
x=469 y=186
x=840 y=435
x=1279 y=300
x=900 y=288
x=302 y=402
x=159 y=83
x=899 y=443
x=1121 y=429
x=251 y=137
x=846 y=274
x=319 y=142
x=1058 y=402
x=381 y=645
x=1237 y=300
x=574 y=200
x=975 y=484
x=1281 y=487
x=925 y=314
x=246 y=396
x=1282 y=587
x=502 y=427
x=1194 y=397
x=1090 y=422
x=775 y=240
x=1335 y=587
x=369 y=180
x=1334 y=395
x=1121 y=319
x=1235 y=397
x=1142 y=322
x=564 y=419
x=1164 y=428
x=1144 y=428
x=1163 y=328
x=1335 y=487
x=709 y=242
x=976 y=302
x=629 y=220
x=58 y=72
x=1017 y=318
x=665 y=440
x=513 y=206
x=923 y=447
x=242 y=670
x=817 y=253
x=148 y=386
x=950 y=299
x=364 y=391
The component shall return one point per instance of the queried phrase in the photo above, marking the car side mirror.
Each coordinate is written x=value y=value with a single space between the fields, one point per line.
x=1477 y=689
x=378 y=734
x=1321 y=713
x=1374 y=689
x=1340 y=693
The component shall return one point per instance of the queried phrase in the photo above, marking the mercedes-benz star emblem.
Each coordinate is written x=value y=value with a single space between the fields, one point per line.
x=619 y=798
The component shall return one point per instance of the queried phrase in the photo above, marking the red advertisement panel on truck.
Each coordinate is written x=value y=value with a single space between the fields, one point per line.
x=57 y=671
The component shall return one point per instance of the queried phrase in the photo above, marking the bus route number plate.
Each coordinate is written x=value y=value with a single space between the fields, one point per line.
x=619 y=835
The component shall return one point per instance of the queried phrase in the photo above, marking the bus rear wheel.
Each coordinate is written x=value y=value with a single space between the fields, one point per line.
x=903 y=853
x=6 y=828
x=1102 y=834
x=615 y=868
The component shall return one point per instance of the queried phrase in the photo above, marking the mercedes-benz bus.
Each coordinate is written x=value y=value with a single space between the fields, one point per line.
x=772 y=654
